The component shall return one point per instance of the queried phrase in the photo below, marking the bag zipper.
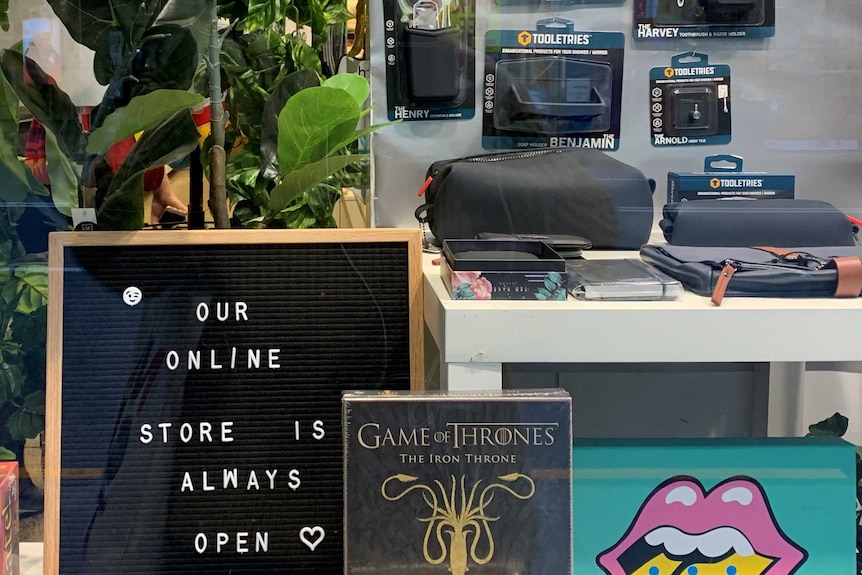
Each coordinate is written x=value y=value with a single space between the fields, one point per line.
x=488 y=158
x=746 y=265
x=730 y=267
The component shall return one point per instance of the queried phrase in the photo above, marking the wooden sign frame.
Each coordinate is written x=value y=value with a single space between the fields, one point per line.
x=120 y=240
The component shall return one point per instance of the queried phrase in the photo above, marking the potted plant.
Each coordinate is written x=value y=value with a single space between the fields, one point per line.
x=142 y=50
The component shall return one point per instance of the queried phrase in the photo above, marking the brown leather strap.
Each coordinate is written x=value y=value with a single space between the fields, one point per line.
x=721 y=284
x=777 y=252
x=781 y=253
x=849 y=276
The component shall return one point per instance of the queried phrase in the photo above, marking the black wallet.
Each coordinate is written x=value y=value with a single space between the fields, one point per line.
x=568 y=247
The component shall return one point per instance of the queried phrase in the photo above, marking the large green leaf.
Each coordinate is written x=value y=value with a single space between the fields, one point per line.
x=298 y=181
x=88 y=21
x=142 y=113
x=6 y=455
x=33 y=284
x=49 y=105
x=233 y=59
x=29 y=420
x=311 y=13
x=170 y=141
x=287 y=88
x=65 y=176
x=111 y=56
x=337 y=13
x=133 y=17
x=263 y=13
x=353 y=84
x=304 y=56
x=194 y=16
x=267 y=52
x=166 y=57
x=321 y=201
x=13 y=173
x=169 y=58
x=297 y=217
x=183 y=12
x=312 y=124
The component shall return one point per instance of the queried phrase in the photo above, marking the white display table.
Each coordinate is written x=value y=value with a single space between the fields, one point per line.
x=476 y=338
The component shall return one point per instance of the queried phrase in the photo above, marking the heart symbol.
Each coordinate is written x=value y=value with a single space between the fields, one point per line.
x=312 y=536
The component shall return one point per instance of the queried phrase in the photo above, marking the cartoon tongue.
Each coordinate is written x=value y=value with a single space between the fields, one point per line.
x=679 y=556
x=682 y=529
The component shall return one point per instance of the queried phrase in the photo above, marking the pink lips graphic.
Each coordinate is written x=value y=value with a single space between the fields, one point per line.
x=739 y=503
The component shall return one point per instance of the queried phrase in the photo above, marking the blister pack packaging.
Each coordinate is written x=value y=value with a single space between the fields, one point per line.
x=690 y=102
x=552 y=87
x=664 y=19
x=430 y=59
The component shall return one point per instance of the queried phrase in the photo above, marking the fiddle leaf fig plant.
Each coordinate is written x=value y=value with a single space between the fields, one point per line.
x=315 y=128
x=72 y=153
x=143 y=49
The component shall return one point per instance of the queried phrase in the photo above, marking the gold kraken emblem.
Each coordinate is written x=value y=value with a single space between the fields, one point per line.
x=463 y=517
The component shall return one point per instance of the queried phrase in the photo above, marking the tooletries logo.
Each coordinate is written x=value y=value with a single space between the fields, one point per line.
x=736 y=183
x=526 y=38
x=699 y=71
x=681 y=528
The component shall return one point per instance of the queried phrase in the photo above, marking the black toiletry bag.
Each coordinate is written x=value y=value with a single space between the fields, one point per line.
x=748 y=222
x=564 y=191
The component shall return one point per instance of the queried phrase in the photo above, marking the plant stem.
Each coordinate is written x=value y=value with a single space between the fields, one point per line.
x=218 y=190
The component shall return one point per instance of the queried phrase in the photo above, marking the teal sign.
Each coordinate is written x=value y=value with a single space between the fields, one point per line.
x=714 y=507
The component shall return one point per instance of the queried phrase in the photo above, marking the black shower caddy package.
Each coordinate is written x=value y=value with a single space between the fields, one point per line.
x=552 y=87
x=668 y=19
x=430 y=59
x=690 y=102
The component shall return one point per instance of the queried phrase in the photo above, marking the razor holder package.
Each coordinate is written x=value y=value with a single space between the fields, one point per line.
x=666 y=19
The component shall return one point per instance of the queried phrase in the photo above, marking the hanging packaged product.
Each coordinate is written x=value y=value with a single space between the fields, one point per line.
x=552 y=87
x=662 y=19
x=716 y=182
x=430 y=59
x=690 y=102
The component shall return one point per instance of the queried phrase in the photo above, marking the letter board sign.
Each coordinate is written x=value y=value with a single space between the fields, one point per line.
x=194 y=393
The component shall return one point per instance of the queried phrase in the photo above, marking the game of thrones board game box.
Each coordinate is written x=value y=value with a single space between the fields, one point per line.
x=446 y=483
